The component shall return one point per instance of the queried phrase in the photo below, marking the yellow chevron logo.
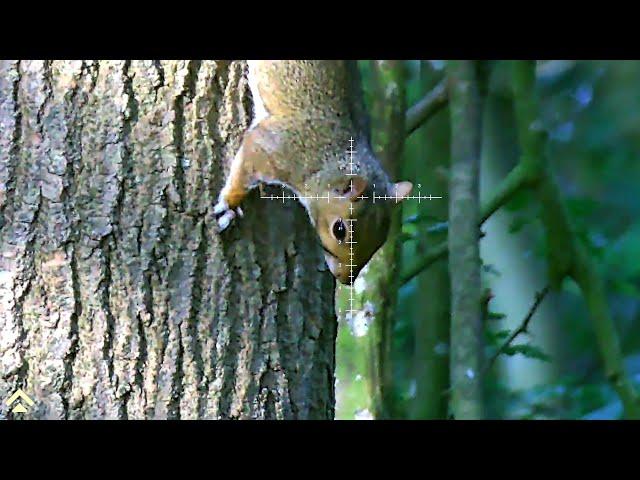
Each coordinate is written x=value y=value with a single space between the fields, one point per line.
x=19 y=408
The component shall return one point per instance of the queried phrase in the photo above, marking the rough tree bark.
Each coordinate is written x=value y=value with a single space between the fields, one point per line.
x=117 y=297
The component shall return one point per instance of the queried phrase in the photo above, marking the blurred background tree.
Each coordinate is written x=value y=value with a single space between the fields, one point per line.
x=579 y=126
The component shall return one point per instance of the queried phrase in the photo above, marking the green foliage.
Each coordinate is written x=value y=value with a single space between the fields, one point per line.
x=591 y=112
x=528 y=350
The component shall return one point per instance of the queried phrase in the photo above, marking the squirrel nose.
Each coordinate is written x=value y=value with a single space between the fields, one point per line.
x=344 y=278
x=338 y=270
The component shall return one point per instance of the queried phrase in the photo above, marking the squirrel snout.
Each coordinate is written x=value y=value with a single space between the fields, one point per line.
x=340 y=270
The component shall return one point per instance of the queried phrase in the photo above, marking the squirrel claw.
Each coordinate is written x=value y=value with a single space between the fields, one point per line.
x=225 y=220
x=225 y=214
x=220 y=208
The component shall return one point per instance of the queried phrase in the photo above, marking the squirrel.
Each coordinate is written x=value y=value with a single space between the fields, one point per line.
x=308 y=114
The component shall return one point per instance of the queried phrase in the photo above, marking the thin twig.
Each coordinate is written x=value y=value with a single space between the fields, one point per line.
x=521 y=329
x=430 y=104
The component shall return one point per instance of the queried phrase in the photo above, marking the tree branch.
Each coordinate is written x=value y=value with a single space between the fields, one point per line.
x=523 y=328
x=434 y=254
x=566 y=254
x=438 y=97
x=515 y=181
x=430 y=104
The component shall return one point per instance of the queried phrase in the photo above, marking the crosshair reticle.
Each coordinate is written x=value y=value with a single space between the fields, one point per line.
x=289 y=195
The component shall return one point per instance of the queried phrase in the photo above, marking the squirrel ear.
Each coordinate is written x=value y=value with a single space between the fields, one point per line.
x=402 y=189
x=356 y=187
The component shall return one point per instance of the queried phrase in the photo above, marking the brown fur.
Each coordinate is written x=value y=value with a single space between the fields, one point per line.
x=314 y=108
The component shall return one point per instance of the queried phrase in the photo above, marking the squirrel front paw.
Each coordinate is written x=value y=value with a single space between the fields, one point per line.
x=225 y=214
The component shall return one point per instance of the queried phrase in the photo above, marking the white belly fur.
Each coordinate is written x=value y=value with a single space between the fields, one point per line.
x=259 y=110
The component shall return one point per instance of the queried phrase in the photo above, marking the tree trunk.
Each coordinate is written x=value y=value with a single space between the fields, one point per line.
x=464 y=254
x=382 y=276
x=118 y=299
x=431 y=360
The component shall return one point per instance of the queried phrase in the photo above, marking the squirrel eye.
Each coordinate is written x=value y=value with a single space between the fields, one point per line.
x=339 y=230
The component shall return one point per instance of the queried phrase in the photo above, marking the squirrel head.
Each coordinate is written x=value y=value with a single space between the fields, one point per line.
x=352 y=219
